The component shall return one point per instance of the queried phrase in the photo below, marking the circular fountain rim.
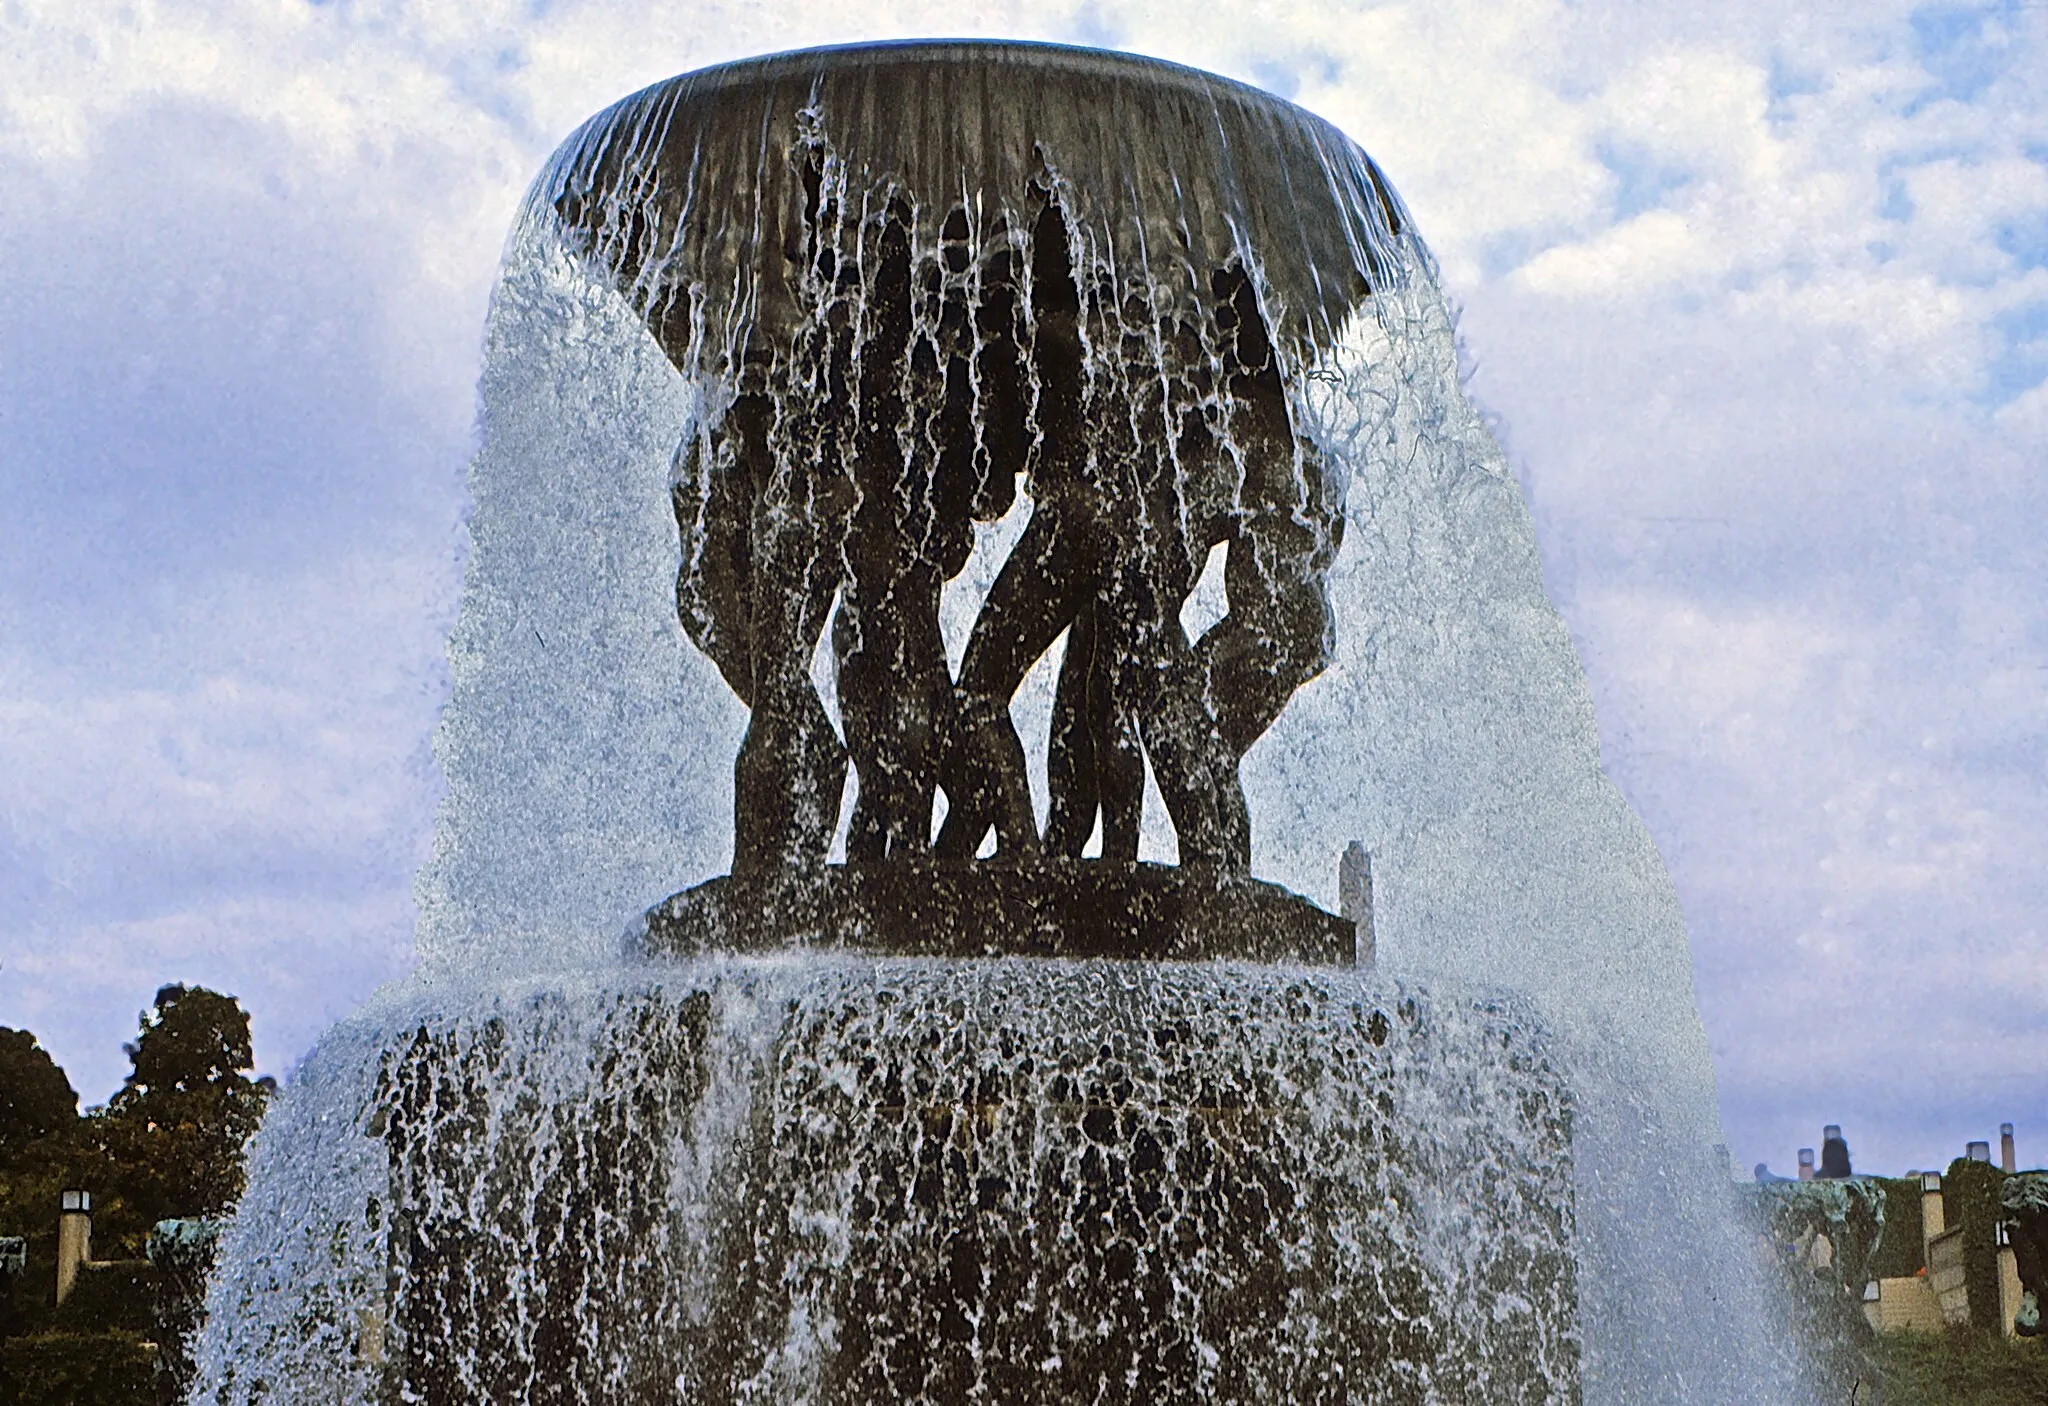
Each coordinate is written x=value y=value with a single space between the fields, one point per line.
x=979 y=909
x=681 y=167
x=1030 y=53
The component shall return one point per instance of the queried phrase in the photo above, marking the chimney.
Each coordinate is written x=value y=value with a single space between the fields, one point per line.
x=1806 y=1164
x=1354 y=901
x=1978 y=1151
x=2007 y=1161
x=74 y=1239
x=1931 y=1221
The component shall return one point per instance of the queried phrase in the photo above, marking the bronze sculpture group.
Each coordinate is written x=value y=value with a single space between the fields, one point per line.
x=853 y=464
x=907 y=285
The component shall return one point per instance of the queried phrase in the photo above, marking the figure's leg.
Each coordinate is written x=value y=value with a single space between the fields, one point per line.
x=896 y=701
x=1094 y=762
x=1280 y=631
x=928 y=680
x=895 y=693
x=1070 y=762
x=1147 y=671
x=1119 y=758
x=1044 y=581
x=712 y=492
x=1278 y=634
x=861 y=671
x=1034 y=597
x=1190 y=761
x=791 y=768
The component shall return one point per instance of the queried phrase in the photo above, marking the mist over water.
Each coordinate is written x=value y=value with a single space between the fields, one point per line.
x=588 y=752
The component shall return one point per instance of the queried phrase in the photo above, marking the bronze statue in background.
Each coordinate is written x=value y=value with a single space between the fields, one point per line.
x=2023 y=1215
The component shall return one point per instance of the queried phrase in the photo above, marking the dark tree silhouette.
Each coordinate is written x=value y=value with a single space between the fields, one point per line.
x=41 y=1151
x=1834 y=1160
x=176 y=1131
x=36 y=1099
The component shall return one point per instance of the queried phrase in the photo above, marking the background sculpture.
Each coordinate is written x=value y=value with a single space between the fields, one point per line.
x=2023 y=1209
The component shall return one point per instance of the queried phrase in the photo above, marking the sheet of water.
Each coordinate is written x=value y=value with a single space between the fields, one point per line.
x=588 y=753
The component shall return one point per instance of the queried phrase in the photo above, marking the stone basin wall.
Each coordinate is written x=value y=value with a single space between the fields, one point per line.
x=904 y=1180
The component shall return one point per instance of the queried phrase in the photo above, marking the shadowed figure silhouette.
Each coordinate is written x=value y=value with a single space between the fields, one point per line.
x=852 y=463
x=885 y=365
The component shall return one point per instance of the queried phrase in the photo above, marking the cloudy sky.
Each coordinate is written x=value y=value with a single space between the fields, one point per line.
x=1757 y=293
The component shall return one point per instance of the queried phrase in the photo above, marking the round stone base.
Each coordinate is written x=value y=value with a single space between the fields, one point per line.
x=1045 y=908
x=827 y=1179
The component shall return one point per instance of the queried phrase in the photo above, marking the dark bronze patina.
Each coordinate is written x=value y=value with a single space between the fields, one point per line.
x=921 y=276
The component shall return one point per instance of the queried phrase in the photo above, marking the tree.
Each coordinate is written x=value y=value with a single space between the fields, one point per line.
x=177 y=1130
x=36 y=1099
x=40 y=1155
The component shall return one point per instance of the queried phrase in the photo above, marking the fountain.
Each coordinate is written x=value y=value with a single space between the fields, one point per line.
x=1076 y=515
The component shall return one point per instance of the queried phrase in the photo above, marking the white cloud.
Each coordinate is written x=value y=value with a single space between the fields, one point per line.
x=1652 y=251
x=1700 y=112
x=2025 y=417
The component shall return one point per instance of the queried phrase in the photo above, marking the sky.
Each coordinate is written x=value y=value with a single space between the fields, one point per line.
x=1755 y=294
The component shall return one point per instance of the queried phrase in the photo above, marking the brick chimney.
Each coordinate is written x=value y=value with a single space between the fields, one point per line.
x=2007 y=1161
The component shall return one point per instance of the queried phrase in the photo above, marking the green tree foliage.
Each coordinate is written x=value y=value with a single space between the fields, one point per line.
x=78 y=1369
x=36 y=1100
x=1969 y=1194
x=174 y=1136
x=1902 y=1253
x=42 y=1148
x=1962 y=1368
x=169 y=1144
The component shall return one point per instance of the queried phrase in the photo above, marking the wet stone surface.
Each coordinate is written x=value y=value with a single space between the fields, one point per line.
x=1049 y=908
x=1004 y=1181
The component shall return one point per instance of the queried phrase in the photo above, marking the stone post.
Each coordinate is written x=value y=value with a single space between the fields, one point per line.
x=74 y=1239
x=1354 y=900
x=1931 y=1221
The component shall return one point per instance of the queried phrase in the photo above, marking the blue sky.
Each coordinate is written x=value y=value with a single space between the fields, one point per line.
x=1757 y=294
